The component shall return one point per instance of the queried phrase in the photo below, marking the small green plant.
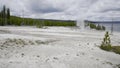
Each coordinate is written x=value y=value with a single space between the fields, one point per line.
x=116 y=49
x=106 y=43
x=39 y=25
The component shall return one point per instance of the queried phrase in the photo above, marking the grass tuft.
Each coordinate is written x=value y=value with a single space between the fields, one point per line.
x=116 y=49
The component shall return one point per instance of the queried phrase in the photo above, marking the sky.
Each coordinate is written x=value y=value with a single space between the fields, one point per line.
x=96 y=10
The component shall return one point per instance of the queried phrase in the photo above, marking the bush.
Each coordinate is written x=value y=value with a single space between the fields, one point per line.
x=38 y=25
x=93 y=26
x=107 y=48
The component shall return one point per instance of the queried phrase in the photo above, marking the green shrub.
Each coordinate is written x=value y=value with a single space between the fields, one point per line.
x=93 y=26
x=107 y=48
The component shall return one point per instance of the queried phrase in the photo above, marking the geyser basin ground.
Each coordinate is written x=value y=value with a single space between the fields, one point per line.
x=55 y=47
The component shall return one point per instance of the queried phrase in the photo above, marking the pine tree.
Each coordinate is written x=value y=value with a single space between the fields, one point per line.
x=8 y=16
x=4 y=11
x=8 y=13
x=106 y=44
x=4 y=15
x=98 y=27
x=0 y=14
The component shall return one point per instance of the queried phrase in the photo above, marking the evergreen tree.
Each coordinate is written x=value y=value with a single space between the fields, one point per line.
x=4 y=11
x=103 y=28
x=98 y=27
x=106 y=43
x=8 y=13
x=4 y=15
x=0 y=14
x=8 y=16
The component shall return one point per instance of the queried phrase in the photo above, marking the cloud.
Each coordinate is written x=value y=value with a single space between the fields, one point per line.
x=36 y=6
x=65 y=9
x=104 y=10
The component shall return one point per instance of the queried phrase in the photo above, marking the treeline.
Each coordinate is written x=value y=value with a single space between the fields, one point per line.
x=94 y=26
x=97 y=27
x=39 y=22
x=7 y=19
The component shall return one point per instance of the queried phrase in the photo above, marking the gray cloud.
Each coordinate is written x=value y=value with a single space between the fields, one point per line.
x=65 y=9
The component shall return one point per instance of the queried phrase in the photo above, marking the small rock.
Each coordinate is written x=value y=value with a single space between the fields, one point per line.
x=109 y=63
x=97 y=59
x=87 y=43
x=10 y=62
x=95 y=44
x=67 y=54
x=79 y=44
x=38 y=56
x=83 y=53
x=55 y=58
x=118 y=65
x=22 y=54
x=77 y=54
x=47 y=59
x=92 y=49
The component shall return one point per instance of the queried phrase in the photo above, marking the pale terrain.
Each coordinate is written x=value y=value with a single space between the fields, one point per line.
x=55 y=47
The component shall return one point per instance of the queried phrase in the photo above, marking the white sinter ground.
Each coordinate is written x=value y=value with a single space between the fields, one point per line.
x=55 y=47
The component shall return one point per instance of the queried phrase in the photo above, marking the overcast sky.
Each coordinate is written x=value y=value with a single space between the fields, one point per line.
x=65 y=9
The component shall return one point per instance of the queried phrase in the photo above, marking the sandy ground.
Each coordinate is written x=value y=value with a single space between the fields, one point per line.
x=55 y=47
